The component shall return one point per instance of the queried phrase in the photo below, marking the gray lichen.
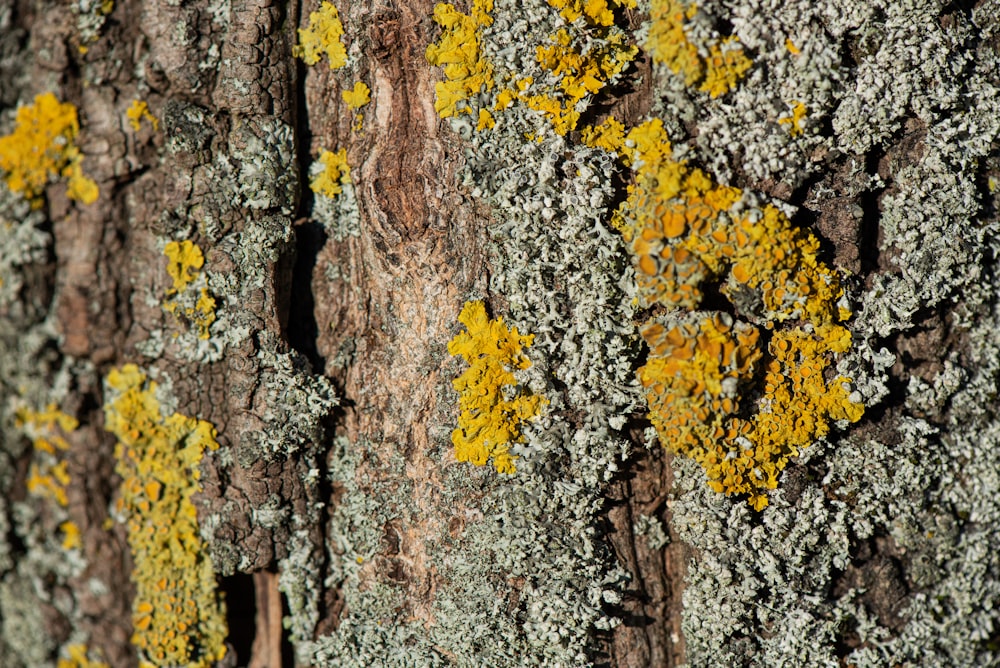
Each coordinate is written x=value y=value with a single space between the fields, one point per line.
x=375 y=630
x=528 y=579
x=796 y=61
x=90 y=18
x=35 y=569
x=23 y=244
x=879 y=547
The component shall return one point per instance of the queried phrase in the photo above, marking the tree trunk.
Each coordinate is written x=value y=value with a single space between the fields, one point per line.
x=527 y=332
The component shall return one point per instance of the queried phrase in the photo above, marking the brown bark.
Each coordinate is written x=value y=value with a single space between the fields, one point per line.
x=214 y=81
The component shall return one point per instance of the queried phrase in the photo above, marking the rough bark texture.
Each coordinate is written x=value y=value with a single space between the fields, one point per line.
x=340 y=526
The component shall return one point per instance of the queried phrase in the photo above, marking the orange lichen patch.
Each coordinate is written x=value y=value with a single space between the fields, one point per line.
x=336 y=173
x=493 y=407
x=47 y=476
x=139 y=111
x=42 y=148
x=694 y=380
x=794 y=121
x=177 y=614
x=457 y=51
x=188 y=297
x=669 y=44
x=323 y=36
x=792 y=49
x=684 y=231
x=76 y=657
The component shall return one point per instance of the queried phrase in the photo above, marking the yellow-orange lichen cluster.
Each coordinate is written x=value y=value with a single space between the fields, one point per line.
x=322 y=36
x=179 y=618
x=668 y=43
x=138 y=112
x=794 y=122
x=48 y=476
x=457 y=51
x=335 y=173
x=184 y=263
x=76 y=657
x=685 y=232
x=355 y=98
x=577 y=71
x=741 y=393
x=493 y=407
x=42 y=148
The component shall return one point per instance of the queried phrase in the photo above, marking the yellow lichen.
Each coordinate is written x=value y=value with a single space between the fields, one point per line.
x=47 y=475
x=139 y=111
x=178 y=616
x=595 y=12
x=579 y=67
x=486 y=120
x=356 y=98
x=458 y=53
x=336 y=173
x=684 y=231
x=578 y=74
x=794 y=121
x=71 y=535
x=696 y=375
x=578 y=71
x=323 y=36
x=76 y=657
x=725 y=66
x=204 y=313
x=609 y=136
x=43 y=148
x=493 y=407
x=668 y=43
x=184 y=263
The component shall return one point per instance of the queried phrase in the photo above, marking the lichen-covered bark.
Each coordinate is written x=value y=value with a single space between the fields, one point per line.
x=283 y=245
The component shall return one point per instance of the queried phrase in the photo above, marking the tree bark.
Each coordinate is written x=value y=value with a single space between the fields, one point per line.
x=287 y=342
